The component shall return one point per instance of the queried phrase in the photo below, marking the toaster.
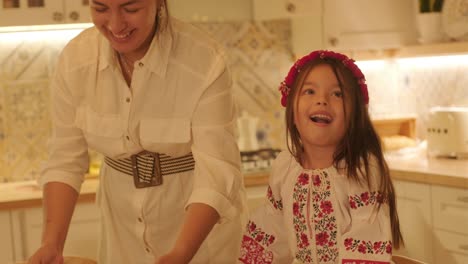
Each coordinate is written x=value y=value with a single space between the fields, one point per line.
x=447 y=132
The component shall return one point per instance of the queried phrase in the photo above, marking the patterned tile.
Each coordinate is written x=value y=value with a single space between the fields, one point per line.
x=26 y=128
x=259 y=56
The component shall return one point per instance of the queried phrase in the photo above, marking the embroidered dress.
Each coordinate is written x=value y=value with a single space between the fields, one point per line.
x=318 y=216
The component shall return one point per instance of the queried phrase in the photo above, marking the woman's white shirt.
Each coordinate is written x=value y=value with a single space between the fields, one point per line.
x=180 y=101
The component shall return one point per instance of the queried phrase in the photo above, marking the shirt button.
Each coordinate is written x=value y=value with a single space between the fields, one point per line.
x=127 y=137
x=127 y=100
x=140 y=219
x=141 y=64
x=147 y=250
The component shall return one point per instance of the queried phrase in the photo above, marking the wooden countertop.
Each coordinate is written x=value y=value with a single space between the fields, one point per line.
x=445 y=172
x=27 y=194
x=439 y=171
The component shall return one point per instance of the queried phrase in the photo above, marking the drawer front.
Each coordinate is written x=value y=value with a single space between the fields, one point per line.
x=450 y=248
x=450 y=209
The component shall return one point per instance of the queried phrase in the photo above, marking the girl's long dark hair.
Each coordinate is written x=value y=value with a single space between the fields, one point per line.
x=360 y=144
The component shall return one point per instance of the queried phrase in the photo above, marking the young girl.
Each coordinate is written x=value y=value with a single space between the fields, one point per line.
x=330 y=197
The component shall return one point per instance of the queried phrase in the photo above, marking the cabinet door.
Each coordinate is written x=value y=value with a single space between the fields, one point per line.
x=450 y=214
x=6 y=239
x=275 y=9
x=82 y=238
x=369 y=24
x=30 y=12
x=211 y=10
x=450 y=247
x=414 y=211
x=77 y=11
x=450 y=209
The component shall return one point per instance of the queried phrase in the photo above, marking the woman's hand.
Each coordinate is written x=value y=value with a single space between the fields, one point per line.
x=46 y=254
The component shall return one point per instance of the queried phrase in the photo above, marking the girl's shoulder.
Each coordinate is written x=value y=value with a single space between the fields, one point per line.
x=283 y=165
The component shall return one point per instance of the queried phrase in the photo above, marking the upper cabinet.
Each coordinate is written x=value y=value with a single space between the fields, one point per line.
x=211 y=10
x=42 y=12
x=275 y=9
x=369 y=24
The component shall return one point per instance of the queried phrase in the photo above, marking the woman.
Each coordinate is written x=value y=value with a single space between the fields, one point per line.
x=153 y=95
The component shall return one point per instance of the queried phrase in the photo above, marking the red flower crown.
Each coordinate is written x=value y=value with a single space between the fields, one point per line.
x=285 y=86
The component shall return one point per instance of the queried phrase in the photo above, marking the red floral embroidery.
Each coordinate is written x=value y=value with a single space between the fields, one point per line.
x=368 y=247
x=365 y=199
x=324 y=218
x=253 y=253
x=254 y=244
x=300 y=194
x=363 y=261
x=277 y=204
x=259 y=235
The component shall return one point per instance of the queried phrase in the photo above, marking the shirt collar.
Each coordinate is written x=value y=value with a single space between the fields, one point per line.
x=156 y=58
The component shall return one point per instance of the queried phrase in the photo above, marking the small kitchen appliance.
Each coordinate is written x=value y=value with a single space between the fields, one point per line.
x=447 y=132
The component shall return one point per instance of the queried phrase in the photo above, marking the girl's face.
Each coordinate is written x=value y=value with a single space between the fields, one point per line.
x=128 y=24
x=319 y=114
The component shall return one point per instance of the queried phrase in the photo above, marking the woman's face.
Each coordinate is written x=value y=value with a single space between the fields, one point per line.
x=128 y=24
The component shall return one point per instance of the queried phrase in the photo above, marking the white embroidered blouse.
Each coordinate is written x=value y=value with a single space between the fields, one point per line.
x=318 y=216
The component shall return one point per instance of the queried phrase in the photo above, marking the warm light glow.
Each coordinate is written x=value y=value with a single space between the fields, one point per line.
x=434 y=62
x=368 y=65
x=42 y=32
x=45 y=27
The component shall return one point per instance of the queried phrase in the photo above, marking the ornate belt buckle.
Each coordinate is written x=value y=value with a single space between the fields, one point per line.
x=144 y=180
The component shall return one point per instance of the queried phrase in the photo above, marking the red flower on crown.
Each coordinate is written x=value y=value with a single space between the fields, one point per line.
x=285 y=86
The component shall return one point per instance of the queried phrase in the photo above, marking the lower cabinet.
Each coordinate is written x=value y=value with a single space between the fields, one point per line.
x=6 y=240
x=434 y=222
x=450 y=217
x=414 y=211
x=83 y=234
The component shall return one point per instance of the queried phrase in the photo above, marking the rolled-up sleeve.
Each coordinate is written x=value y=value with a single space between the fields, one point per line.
x=218 y=180
x=68 y=152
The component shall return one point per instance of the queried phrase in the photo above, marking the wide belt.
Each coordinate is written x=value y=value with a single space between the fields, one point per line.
x=147 y=168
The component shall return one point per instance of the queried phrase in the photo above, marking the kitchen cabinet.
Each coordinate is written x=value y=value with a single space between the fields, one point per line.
x=280 y=9
x=450 y=215
x=42 y=12
x=6 y=241
x=369 y=24
x=211 y=10
x=414 y=211
x=83 y=234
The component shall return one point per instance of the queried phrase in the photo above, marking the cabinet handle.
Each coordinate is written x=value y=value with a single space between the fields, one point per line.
x=333 y=41
x=463 y=199
x=57 y=16
x=290 y=7
x=463 y=247
x=74 y=16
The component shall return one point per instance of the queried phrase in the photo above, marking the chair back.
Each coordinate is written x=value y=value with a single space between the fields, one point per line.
x=405 y=260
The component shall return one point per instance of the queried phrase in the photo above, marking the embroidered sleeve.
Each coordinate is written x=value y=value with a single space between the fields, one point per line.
x=265 y=239
x=276 y=204
x=368 y=239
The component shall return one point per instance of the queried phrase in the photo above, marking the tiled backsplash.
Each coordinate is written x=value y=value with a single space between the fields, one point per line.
x=259 y=56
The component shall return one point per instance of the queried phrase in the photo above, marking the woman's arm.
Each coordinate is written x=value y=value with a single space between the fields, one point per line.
x=59 y=202
x=199 y=221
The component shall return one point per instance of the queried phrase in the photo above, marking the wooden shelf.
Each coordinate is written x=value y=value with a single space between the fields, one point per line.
x=436 y=49
x=426 y=50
